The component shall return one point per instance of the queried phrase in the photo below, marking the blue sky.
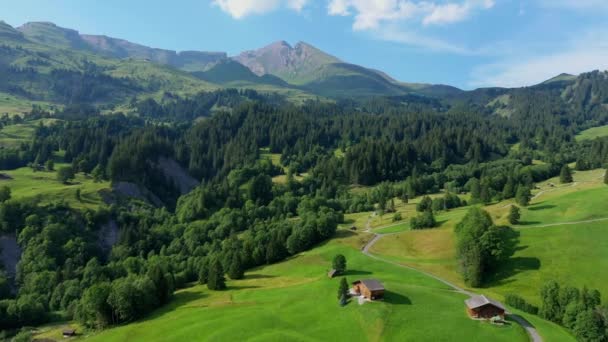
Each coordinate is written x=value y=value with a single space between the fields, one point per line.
x=466 y=43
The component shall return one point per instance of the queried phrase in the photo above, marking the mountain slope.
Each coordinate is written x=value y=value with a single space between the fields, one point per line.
x=292 y=64
x=229 y=72
x=56 y=36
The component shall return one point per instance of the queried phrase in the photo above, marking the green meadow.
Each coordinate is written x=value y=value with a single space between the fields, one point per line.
x=572 y=253
x=14 y=135
x=592 y=133
x=26 y=183
x=294 y=300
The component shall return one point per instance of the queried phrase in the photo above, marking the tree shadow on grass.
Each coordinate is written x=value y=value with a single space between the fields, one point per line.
x=509 y=265
x=343 y=234
x=541 y=207
x=259 y=276
x=242 y=287
x=355 y=273
x=440 y=223
x=528 y=223
x=396 y=298
x=349 y=221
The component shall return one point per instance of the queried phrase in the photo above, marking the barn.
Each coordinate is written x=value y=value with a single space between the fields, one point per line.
x=369 y=288
x=485 y=308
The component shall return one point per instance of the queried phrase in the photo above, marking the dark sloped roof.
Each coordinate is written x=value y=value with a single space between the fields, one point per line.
x=372 y=284
x=479 y=301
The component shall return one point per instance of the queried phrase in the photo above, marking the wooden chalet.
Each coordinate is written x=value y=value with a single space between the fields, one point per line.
x=369 y=288
x=484 y=308
x=69 y=332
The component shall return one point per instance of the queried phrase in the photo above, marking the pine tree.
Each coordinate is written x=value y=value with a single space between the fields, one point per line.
x=216 y=280
x=514 y=215
x=522 y=197
x=343 y=288
x=565 y=175
x=339 y=263
x=236 y=269
x=509 y=189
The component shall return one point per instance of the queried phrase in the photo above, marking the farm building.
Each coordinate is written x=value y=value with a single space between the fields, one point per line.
x=69 y=333
x=369 y=288
x=483 y=307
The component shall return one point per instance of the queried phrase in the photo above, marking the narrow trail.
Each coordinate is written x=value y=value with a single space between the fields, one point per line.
x=532 y=332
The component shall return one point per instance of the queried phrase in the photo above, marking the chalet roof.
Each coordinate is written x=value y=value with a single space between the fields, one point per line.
x=372 y=284
x=479 y=301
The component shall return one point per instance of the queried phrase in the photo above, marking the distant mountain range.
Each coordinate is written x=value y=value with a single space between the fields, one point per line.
x=42 y=61
x=302 y=66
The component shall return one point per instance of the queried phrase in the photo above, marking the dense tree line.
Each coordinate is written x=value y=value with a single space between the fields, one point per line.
x=579 y=310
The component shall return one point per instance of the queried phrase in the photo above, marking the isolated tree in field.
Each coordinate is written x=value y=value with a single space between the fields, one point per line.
x=65 y=174
x=5 y=193
x=343 y=288
x=522 y=197
x=339 y=263
x=97 y=174
x=50 y=165
x=514 y=215
x=397 y=217
x=215 y=279
x=480 y=245
x=565 y=176
x=426 y=203
x=424 y=220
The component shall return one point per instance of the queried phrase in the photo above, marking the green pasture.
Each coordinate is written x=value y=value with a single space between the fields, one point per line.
x=294 y=300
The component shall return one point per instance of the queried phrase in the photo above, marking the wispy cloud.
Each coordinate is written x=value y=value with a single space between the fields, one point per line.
x=242 y=8
x=589 y=52
x=369 y=15
x=416 y=39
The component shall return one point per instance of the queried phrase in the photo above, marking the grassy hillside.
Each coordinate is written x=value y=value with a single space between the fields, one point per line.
x=294 y=300
x=570 y=253
x=14 y=135
x=25 y=183
x=593 y=133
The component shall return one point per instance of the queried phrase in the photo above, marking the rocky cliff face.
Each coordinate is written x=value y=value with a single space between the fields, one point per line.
x=287 y=62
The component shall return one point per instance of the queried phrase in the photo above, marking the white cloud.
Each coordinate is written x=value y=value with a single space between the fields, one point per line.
x=587 y=53
x=241 y=8
x=369 y=15
x=392 y=34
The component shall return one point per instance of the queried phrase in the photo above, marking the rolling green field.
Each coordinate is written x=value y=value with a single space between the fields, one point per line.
x=294 y=300
x=25 y=183
x=14 y=105
x=14 y=135
x=592 y=133
x=572 y=254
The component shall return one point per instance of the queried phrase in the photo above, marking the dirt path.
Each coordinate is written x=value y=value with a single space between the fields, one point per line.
x=532 y=332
